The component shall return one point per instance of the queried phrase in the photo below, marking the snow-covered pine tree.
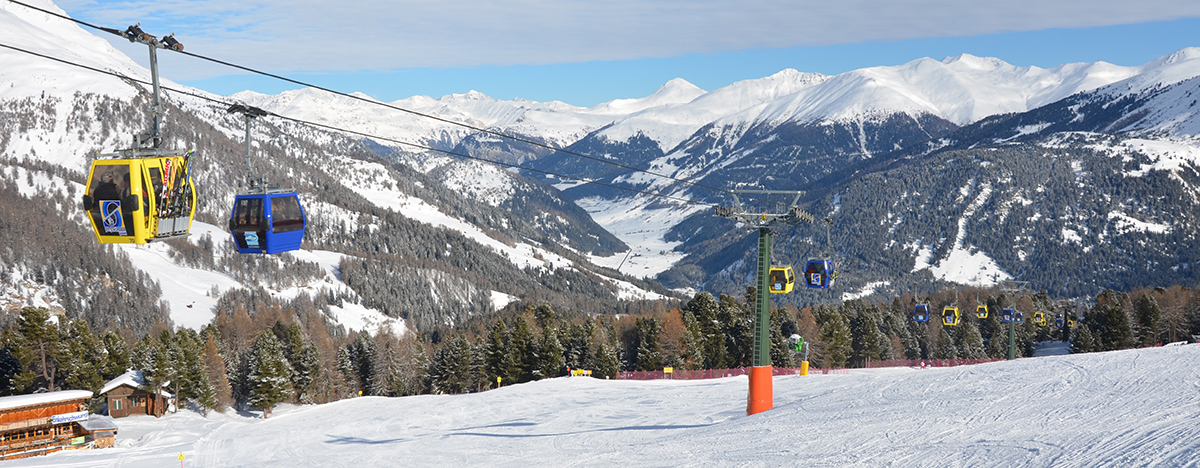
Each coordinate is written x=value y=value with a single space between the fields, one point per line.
x=116 y=360
x=946 y=348
x=269 y=374
x=498 y=354
x=649 y=352
x=386 y=364
x=552 y=363
x=524 y=351
x=1082 y=340
x=80 y=357
x=451 y=370
x=971 y=344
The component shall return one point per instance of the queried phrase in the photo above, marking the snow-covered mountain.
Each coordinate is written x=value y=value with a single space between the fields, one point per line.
x=790 y=130
x=389 y=243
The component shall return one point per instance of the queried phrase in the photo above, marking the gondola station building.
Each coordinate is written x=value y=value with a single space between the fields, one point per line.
x=42 y=423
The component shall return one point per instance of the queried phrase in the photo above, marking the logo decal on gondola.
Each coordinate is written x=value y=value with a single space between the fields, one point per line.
x=814 y=278
x=167 y=182
x=252 y=240
x=110 y=212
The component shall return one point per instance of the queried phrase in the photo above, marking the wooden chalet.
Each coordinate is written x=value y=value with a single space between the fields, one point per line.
x=42 y=423
x=127 y=396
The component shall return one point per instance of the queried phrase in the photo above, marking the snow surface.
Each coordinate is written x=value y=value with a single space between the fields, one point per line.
x=187 y=290
x=964 y=264
x=641 y=228
x=1123 y=408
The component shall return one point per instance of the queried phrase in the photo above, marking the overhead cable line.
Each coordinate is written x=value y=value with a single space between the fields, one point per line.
x=364 y=134
x=409 y=111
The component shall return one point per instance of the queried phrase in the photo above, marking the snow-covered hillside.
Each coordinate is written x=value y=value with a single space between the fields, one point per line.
x=1123 y=408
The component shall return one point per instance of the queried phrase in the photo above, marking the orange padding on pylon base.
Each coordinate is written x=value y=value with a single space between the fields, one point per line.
x=761 y=396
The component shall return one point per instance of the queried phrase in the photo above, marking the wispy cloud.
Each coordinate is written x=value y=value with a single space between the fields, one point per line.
x=319 y=35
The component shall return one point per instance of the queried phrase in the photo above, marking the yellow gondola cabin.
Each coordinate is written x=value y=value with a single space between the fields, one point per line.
x=140 y=199
x=950 y=316
x=782 y=279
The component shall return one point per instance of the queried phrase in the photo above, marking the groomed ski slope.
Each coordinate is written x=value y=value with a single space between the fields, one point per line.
x=1125 y=408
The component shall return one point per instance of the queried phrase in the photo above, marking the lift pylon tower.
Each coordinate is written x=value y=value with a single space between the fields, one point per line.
x=1013 y=288
x=761 y=396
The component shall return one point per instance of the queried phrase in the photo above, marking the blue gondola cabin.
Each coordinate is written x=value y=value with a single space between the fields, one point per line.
x=818 y=274
x=921 y=313
x=267 y=223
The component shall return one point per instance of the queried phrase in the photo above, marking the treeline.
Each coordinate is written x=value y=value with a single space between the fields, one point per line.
x=260 y=351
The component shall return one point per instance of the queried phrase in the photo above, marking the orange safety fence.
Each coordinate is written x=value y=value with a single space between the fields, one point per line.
x=683 y=374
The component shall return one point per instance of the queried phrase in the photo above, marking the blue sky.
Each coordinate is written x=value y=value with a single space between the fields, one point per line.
x=586 y=52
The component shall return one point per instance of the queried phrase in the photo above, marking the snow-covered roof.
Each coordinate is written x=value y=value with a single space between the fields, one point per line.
x=98 y=422
x=132 y=378
x=17 y=401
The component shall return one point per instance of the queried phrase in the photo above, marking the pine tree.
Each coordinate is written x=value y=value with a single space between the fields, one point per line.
x=945 y=346
x=41 y=336
x=839 y=344
x=498 y=360
x=737 y=322
x=1082 y=340
x=116 y=360
x=414 y=368
x=300 y=354
x=451 y=370
x=781 y=348
x=218 y=381
x=186 y=352
x=81 y=355
x=577 y=340
x=1149 y=316
x=551 y=350
x=869 y=343
x=971 y=345
x=691 y=341
x=710 y=331
x=206 y=395
x=10 y=368
x=386 y=379
x=269 y=374
x=649 y=352
x=608 y=363
x=524 y=351
x=306 y=368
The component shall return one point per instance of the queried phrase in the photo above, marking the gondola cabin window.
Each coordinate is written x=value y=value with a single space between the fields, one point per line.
x=286 y=215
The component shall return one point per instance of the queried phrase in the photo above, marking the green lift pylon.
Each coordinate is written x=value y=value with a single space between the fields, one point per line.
x=761 y=395
x=1012 y=288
